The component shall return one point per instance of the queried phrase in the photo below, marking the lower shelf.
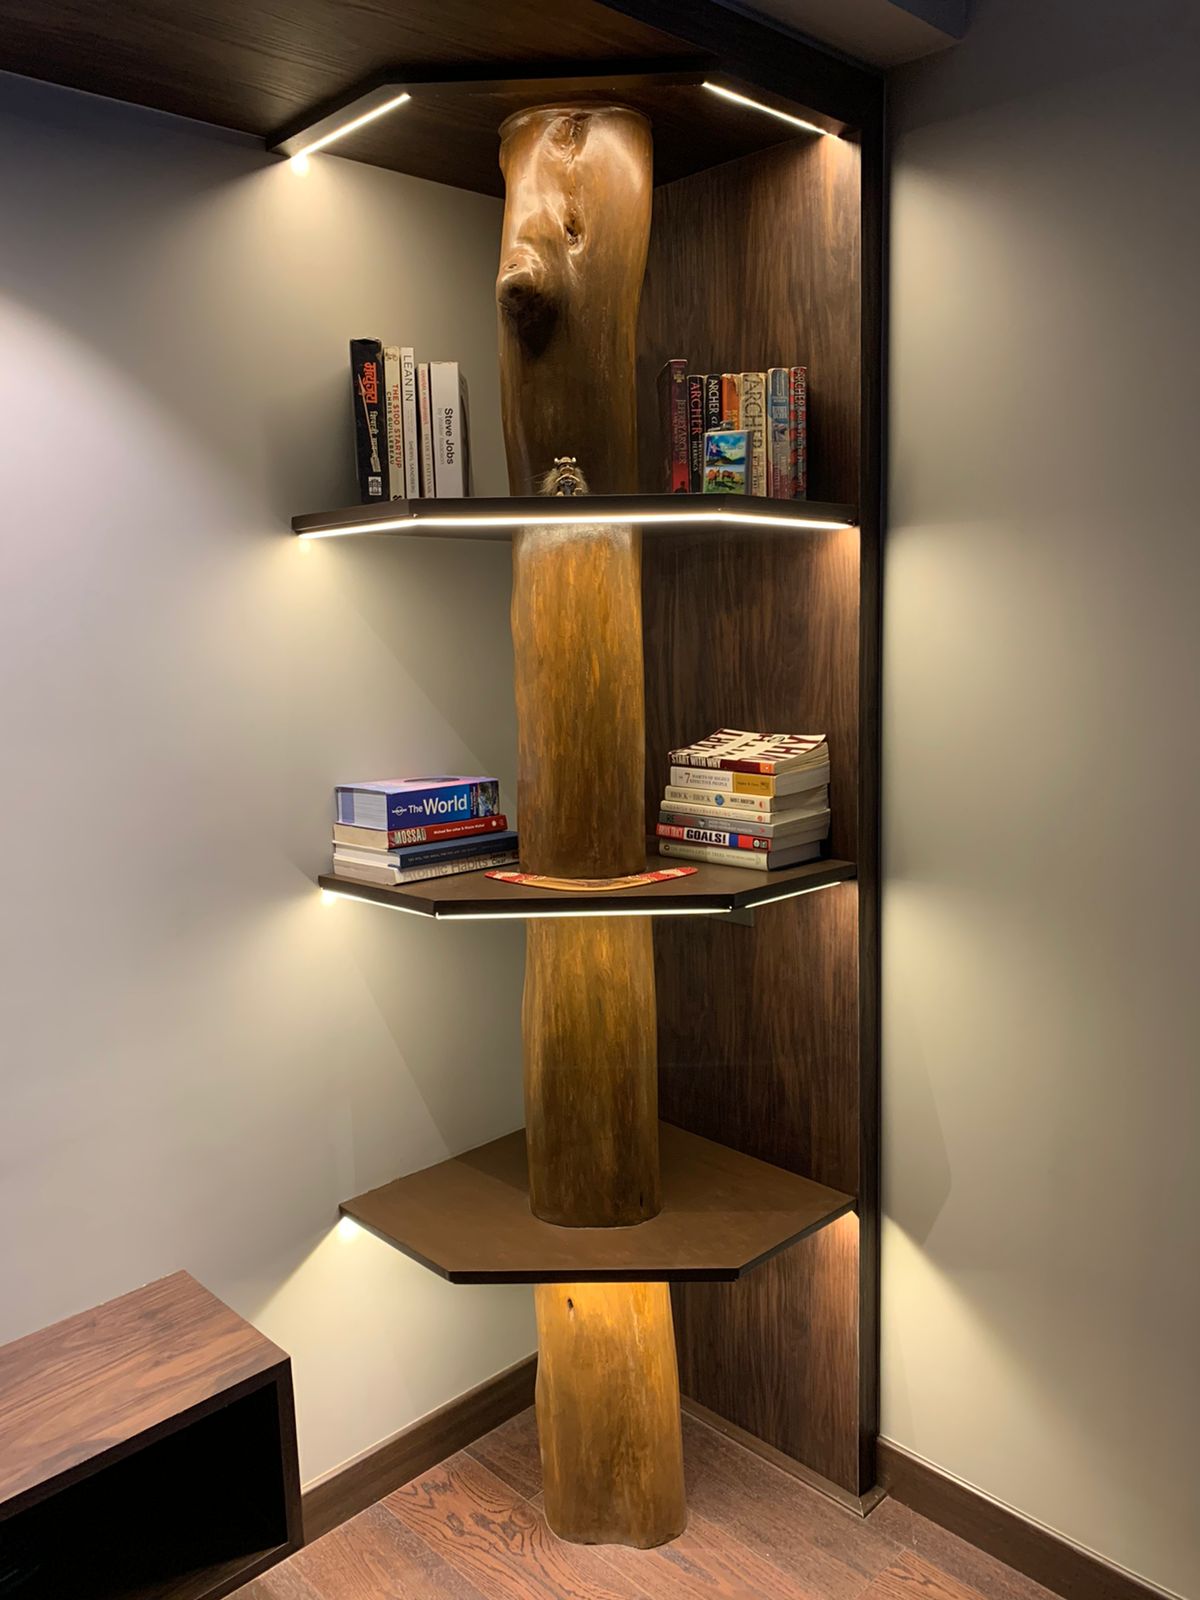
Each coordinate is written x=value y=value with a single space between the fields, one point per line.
x=709 y=891
x=468 y=1219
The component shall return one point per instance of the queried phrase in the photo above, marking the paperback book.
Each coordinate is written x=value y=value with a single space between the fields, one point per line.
x=370 y=420
x=422 y=855
x=780 y=825
x=397 y=802
x=388 y=876
x=739 y=787
x=760 y=860
x=725 y=466
x=766 y=754
x=383 y=839
x=393 y=390
x=673 y=420
x=754 y=421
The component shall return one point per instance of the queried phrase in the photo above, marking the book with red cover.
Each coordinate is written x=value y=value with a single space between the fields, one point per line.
x=385 y=839
x=673 y=416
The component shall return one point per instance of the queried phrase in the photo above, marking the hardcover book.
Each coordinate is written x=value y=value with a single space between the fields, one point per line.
x=448 y=405
x=735 y=750
x=384 y=839
x=761 y=860
x=370 y=419
x=673 y=419
x=393 y=395
x=408 y=402
x=421 y=855
x=725 y=468
x=696 y=429
x=388 y=877
x=739 y=787
x=754 y=421
x=397 y=802
x=425 y=431
x=781 y=461
x=798 y=422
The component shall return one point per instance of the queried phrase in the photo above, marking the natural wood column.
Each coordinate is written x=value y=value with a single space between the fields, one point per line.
x=608 y=1413
x=576 y=228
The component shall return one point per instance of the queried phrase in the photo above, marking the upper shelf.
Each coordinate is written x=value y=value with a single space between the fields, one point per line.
x=709 y=891
x=495 y=518
x=468 y=1219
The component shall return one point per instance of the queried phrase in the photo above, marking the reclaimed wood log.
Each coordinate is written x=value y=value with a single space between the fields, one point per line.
x=608 y=1413
x=591 y=1071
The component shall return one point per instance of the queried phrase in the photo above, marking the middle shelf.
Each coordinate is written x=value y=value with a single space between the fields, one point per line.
x=468 y=1219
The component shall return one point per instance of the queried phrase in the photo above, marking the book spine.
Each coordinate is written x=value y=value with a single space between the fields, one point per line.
x=445 y=402
x=695 y=411
x=698 y=834
x=731 y=400
x=714 y=854
x=756 y=824
x=391 y=876
x=742 y=805
x=384 y=839
x=370 y=418
x=673 y=419
x=713 y=415
x=730 y=781
x=408 y=401
x=754 y=420
x=421 y=855
x=425 y=431
x=395 y=420
x=781 y=465
x=798 y=425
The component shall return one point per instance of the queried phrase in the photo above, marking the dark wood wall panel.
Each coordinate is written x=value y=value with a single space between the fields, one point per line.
x=758 y=263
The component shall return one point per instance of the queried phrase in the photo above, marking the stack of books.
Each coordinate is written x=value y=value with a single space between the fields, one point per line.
x=757 y=800
x=735 y=432
x=400 y=830
x=411 y=424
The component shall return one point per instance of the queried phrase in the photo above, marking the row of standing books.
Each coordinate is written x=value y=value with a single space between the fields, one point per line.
x=402 y=830
x=411 y=424
x=734 y=432
x=754 y=800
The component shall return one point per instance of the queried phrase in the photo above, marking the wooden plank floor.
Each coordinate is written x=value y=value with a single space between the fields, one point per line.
x=473 y=1529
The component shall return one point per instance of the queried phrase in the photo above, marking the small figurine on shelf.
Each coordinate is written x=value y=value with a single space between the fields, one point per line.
x=564 y=478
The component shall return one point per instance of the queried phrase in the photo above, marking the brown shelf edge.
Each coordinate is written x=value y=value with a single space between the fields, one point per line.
x=665 y=899
x=442 y=518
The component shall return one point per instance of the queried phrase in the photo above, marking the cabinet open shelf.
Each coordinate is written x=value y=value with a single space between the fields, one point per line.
x=468 y=1219
x=709 y=891
x=496 y=517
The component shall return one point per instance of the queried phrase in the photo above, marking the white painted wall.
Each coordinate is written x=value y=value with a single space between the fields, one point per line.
x=199 y=1057
x=1041 y=1311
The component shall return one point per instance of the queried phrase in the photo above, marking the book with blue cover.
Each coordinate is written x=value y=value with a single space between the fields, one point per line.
x=401 y=802
x=426 y=855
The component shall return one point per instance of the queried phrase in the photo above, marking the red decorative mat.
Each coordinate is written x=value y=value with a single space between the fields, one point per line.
x=636 y=880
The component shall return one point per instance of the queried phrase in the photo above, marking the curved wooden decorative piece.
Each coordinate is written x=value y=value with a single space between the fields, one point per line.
x=608 y=1413
x=576 y=230
x=591 y=1071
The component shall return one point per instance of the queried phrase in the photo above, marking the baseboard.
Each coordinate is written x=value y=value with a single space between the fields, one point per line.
x=359 y=1483
x=859 y=1504
x=1058 y=1565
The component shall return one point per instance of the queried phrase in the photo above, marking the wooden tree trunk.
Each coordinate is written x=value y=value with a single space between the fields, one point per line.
x=576 y=227
x=608 y=1413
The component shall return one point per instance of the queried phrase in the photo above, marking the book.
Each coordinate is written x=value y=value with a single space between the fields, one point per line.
x=408 y=402
x=740 y=806
x=740 y=787
x=421 y=855
x=736 y=750
x=714 y=417
x=388 y=877
x=731 y=399
x=798 y=423
x=384 y=839
x=754 y=421
x=693 y=833
x=370 y=420
x=395 y=802
x=393 y=404
x=760 y=860
x=673 y=419
x=425 y=431
x=448 y=407
x=766 y=824
x=696 y=429
x=781 y=462
x=725 y=470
